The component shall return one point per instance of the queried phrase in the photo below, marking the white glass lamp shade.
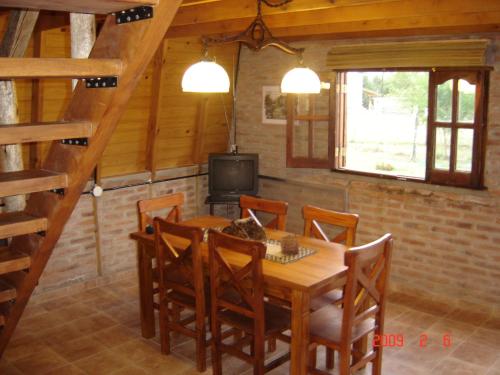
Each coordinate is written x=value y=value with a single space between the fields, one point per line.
x=205 y=76
x=301 y=80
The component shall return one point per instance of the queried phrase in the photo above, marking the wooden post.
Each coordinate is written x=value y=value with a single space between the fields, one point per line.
x=36 y=102
x=83 y=33
x=154 y=114
x=14 y=44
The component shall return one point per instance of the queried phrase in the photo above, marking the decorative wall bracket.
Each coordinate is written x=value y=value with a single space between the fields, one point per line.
x=101 y=82
x=134 y=14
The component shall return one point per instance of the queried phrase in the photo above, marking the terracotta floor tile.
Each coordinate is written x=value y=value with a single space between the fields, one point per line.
x=8 y=369
x=457 y=330
x=124 y=313
x=102 y=363
x=170 y=364
x=66 y=370
x=115 y=336
x=41 y=321
x=474 y=353
x=457 y=367
x=131 y=370
x=492 y=323
x=64 y=333
x=488 y=337
x=99 y=331
x=467 y=316
x=19 y=348
x=73 y=311
x=40 y=362
x=417 y=319
x=138 y=350
x=93 y=323
x=77 y=349
x=59 y=303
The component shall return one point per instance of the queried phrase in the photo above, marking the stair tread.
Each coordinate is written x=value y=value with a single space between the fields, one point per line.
x=7 y=291
x=41 y=132
x=30 y=181
x=33 y=67
x=19 y=223
x=13 y=260
x=78 y=6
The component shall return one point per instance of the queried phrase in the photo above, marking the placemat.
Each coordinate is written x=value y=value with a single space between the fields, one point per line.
x=273 y=252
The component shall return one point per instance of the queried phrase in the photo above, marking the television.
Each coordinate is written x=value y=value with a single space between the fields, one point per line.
x=232 y=175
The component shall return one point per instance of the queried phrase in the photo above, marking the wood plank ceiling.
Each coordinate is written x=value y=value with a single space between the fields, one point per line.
x=340 y=18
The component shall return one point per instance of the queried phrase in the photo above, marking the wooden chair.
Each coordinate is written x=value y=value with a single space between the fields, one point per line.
x=342 y=329
x=181 y=284
x=249 y=205
x=145 y=206
x=313 y=216
x=237 y=300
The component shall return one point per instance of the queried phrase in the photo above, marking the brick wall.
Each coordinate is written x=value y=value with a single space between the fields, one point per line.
x=95 y=247
x=447 y=240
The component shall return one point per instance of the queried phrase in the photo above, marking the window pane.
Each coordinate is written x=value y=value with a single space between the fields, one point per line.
x=386 y=122
x=320 y=137
x=443 y=141
x=300 y=139
x=444 y=101
x=464 y=150
x=466 y=99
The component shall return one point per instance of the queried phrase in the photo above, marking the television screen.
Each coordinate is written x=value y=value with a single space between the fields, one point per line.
x=232 y=175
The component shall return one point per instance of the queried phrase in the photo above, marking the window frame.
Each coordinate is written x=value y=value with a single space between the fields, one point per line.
x=474 y=179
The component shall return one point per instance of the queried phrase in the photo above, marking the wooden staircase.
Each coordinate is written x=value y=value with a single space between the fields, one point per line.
x=122 y=50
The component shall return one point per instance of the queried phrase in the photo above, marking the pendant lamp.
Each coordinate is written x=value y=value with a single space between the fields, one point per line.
x=206 y=77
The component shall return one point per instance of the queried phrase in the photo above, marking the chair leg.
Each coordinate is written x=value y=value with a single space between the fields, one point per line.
x=345 y=361
x=313 y=353
x=377 y=363
x=330 y=359
x=164 y=328
x=271 y=344
x=201 y=350
x=259 y=356
x=216 y=352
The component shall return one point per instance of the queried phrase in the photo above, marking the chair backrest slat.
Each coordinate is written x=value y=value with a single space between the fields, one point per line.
x=365 y=291
x=241 y=289
x=313 y=216
x=251 y=204
x=179 y=258
x=145 y=206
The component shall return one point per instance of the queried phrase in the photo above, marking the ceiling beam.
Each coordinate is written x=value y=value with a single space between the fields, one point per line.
x=344 y=18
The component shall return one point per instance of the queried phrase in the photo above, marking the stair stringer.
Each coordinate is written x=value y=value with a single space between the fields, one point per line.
x=134 y=44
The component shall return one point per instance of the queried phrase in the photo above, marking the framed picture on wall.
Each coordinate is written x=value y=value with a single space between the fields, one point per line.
x=273 y=105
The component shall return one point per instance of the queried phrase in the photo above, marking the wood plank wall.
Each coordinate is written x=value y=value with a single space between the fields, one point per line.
x=176 y=114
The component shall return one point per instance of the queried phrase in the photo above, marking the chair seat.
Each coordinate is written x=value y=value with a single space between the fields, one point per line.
x=326 y=324
x=277 y=319
x=326 y=299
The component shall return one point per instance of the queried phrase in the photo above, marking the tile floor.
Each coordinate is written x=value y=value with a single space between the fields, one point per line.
x=97 y=332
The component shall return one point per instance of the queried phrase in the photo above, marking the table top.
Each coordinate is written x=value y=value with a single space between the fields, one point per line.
x=325 y=267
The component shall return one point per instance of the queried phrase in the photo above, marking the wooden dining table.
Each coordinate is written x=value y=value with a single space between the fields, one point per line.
x=297 y=282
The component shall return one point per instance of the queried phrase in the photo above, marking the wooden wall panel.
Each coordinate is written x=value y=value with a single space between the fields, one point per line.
x=178 y=111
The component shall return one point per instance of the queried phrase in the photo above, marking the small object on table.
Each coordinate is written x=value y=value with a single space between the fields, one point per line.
x=290 y=245
x=247 y=229
x=150 y=229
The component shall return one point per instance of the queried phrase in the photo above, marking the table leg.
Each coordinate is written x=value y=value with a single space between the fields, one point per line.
x=145 y=268
x=300 y=332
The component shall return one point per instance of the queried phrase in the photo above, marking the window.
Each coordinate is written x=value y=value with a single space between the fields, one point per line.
x=422 y=125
